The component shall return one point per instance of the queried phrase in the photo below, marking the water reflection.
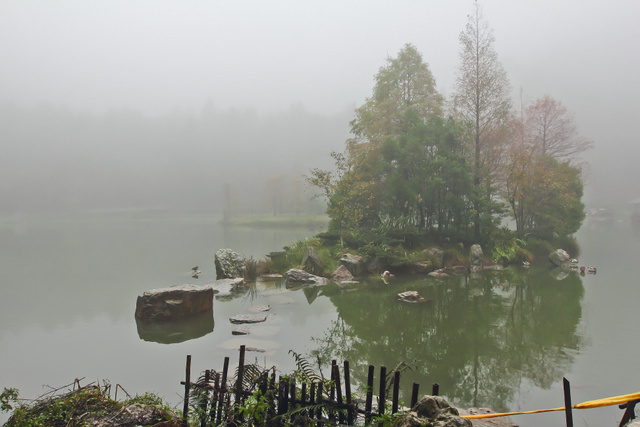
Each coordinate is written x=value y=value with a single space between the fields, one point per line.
x=178 y=330
x=478 y=338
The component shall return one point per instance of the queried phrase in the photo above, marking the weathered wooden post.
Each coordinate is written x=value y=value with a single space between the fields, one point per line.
x=347 y=392
x=319 y=401
x=187 y=385
x=382 y=395
x=215 y=399
x=224 y=393
x=341 y=417
x=435 y=390
x=368 y=406
x=312 y=399
x=396 y=391
x=414 y=394
x=567 y=402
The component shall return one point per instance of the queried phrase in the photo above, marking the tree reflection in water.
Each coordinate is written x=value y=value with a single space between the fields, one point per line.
x=479 y=338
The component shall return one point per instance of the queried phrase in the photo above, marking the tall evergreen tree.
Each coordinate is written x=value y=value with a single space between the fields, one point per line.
x=482 y=98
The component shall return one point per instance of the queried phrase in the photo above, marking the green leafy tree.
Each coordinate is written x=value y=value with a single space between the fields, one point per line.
x=404 y=82
x=425 y=174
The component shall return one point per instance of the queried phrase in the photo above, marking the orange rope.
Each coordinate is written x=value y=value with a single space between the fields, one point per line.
x=608 y=401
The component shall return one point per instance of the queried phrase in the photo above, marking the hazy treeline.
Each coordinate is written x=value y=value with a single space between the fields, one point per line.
x=56 y=159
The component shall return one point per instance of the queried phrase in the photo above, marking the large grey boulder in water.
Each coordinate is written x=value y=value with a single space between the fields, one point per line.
x=229 y=264
x=176 y=302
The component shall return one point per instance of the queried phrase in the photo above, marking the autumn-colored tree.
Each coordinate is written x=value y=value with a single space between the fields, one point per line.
x=544 y=194
x=551 y=130
x=482 y=97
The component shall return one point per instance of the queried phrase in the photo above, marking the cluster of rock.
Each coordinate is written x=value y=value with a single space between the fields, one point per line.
x=435 y=411
x=187 y=300
x=179 y=302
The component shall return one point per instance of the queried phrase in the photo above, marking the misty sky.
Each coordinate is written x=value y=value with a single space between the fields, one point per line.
x=159 y=56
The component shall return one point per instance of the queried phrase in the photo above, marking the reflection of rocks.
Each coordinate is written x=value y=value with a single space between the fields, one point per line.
x=433 y=411
x=439 y=274
x=476 y=258
x=559 y=257
x=457 y=269
x=228 y=288
x=296 y=276
x=436 y=253
x=423 y=267
x=354 y=263
x=248 y=318
x=411 y=296
x=260 y=308
x=174 y=303
x=229 y=264
x=176 y=331
x=559 y=273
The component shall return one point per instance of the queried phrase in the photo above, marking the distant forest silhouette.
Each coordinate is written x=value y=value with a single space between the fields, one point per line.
x=55 y=159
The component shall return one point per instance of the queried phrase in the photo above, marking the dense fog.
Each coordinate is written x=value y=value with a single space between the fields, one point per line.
x=226 y=105
x=234 y=160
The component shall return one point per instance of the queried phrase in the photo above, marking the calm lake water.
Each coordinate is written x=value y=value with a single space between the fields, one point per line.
x=504 y=340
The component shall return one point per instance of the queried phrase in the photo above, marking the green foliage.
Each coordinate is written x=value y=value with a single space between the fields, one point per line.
x=8 y=395
x=255 y=409
x=507 y=248
x=80 y=408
